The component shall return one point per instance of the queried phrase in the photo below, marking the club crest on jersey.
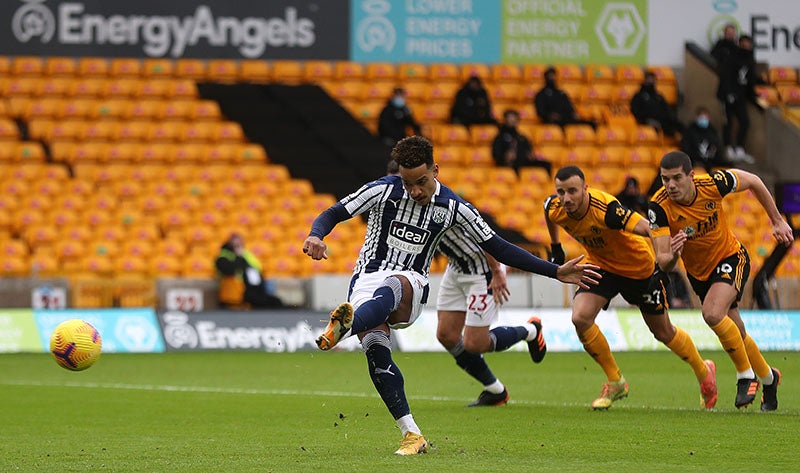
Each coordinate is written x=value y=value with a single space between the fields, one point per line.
x=439 y=214
x=710 y=205
x=406 y=237
x=689 y=231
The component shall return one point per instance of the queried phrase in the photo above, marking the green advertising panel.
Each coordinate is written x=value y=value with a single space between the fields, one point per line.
x=574 y=31
x=18 y=332
x=638 y=336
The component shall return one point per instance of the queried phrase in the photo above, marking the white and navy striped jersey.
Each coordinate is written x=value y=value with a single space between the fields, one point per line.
x=463 y=254
x=403 y=235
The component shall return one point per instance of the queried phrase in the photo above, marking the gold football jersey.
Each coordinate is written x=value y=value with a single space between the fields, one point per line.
x=710 y=239
x=606 y=234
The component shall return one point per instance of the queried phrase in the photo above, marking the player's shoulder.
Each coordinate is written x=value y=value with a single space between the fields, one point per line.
x=660 y=197
x=599 y=200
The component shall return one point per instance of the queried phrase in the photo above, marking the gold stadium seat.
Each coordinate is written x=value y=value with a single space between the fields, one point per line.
x=142 y=109
x=629 y=74
x=227 y=132
x=416 y=89
x=467 y=70
x=198 y=265
x=125 y=67
x=118 y=88
x=52 y=86
x=782 y=75
x=249 y=153
x=579 y=135
x=769 y=94
x=92 y=67
x=194 y=69
x=42 y=108
x=44 y=263
x=581 y=156
x=86 y=88
x=27 y=66
x=644 y=174
x=608 y=157
x=598 y=73
x=507 y=92
x=449 y=155
x=287 y=72
x=205 y=110
x=505 y=73
x=482 y=135
x=450 y=134
x=381 y=71
x=533 y=73
x=546 y=135
x=479 y=157
x=411 y=71
x=645 y=135
x=177 y=89
x=377 y=90
x=315 y=71
x=789 y=94
x=639 y=156
x=345 y=89
x=256 y=71
x=96 y=131
x=60 y=66
x=127 y=265
x=433 y=113
x=158 y=67
x=107 y=108
x=164 y=131
x=151 y=89
x=446 y=71
x=350 y=70
x=223 y=70
x=569 y=73
x=611 y=135
x=665 y=75
x=442 y=91
x=601 y=94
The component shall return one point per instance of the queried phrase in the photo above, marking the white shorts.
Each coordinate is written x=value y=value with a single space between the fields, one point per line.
x=467 y=293
x=363 y=286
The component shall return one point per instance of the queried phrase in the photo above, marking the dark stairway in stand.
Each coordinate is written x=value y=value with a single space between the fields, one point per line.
x=306 y=130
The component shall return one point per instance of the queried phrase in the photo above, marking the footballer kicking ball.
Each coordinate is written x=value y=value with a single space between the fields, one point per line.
x=75 y=344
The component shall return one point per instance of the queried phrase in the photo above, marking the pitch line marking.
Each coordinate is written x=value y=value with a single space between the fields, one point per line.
x=293 y=392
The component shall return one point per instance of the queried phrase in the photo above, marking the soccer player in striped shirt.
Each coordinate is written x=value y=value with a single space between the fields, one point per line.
x=688 y=222
x=617 y=240
x=408 y=214
x=473 y=287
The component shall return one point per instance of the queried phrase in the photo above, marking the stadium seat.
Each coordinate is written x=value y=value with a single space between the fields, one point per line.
x=52 y=86
x=474 y=69
x=442 y=91
x=198 y=265
x=158 y=68
x=479 y=157
x=377 y=90
x=316 y=71
x=610 y=157
x=581 y=156
x=381 y=71
x=205 y=110
x=92 y=67
x=597 y=93
x=432 y=113
x=222 y=70
x=645 y=135
x=598 y=74
x=438 y=72
x=579 y=135
x=411 y=71
x=450 y=134
x=482 y=135
x=112 y=88
x=610 y=135
x=194 y=69
x=27 y=66
x=257 y=71
x=506 y=73
x=569 y=73
x=350 y=70
x=769 y=94
x=782 y=75
x=670 y=93
x=533 y=73
x=505 y=92
x=639 y=155
x=547 y=135
x=665 y=75
x=789 y=94
x=181 y=89
x=125 y=67
x=629 y=74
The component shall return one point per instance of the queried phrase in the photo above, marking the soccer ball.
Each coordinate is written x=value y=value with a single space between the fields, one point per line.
x=75 y=344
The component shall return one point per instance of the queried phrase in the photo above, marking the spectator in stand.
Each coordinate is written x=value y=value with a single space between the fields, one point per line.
x=700 y=140
x=395 y=119
x=513 y=149
x=472 y=105
x=649 y=107
x=631 y=197
x=737 y=79
x=554 y=106
x=242 y=283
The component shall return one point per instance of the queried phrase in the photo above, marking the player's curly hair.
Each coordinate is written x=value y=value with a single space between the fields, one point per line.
x=676 y=159
x=413 y=151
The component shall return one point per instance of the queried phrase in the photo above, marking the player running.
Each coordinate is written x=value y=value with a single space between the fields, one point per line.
x=473 y=287
x=617 y=240
x=408 y=214
x=688 y=222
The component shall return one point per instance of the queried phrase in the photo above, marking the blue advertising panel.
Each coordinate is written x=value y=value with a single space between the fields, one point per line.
x=122 y=330
x=425 y=31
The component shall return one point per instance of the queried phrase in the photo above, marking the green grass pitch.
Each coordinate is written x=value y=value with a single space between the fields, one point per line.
x=303 y=412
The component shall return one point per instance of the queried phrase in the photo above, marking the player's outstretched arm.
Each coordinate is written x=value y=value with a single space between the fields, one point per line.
x=313 y=246
x=780 y=228
x=570 y=272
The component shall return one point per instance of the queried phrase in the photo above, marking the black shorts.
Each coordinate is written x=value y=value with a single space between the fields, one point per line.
x=649 y=295
x=733 y=270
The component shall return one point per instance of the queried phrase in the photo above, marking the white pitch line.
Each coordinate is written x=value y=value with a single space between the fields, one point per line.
x=292 y=392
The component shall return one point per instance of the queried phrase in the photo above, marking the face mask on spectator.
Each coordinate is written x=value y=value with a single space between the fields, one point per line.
x=398 y=102
x=702 y=122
